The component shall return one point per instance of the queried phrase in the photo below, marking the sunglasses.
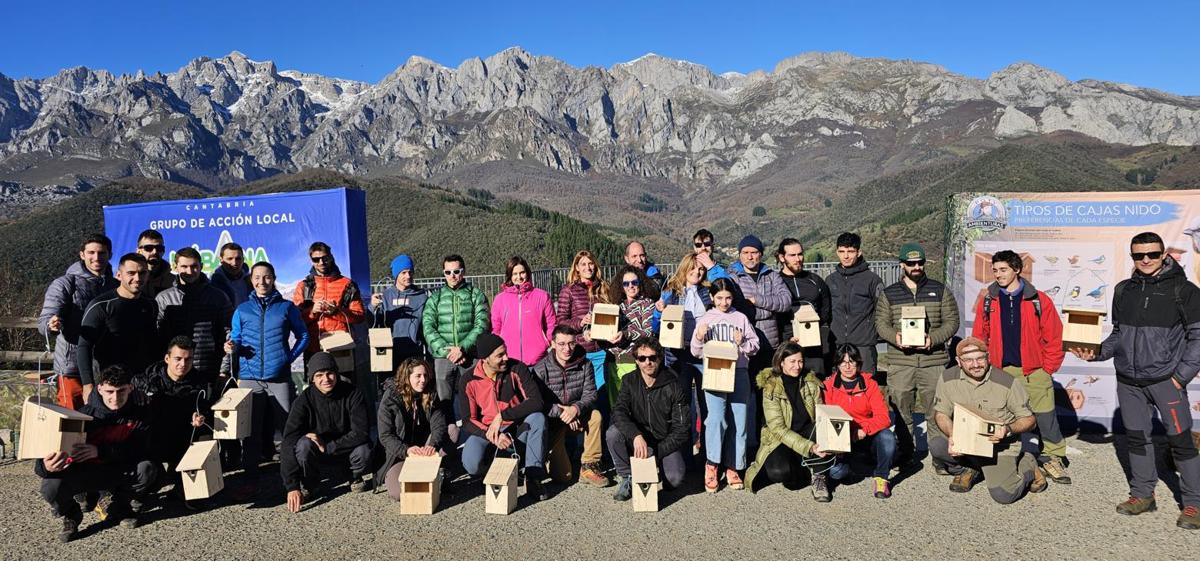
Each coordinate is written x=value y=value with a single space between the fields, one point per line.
x=647 y=358
x=322 y=259
x=1153 y=255
x=153 y=247
x=628 y=284
x=917 y=263
x=702 y=244
x=449 y=272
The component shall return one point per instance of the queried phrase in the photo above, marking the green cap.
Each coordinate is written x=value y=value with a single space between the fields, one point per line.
x=912 y=252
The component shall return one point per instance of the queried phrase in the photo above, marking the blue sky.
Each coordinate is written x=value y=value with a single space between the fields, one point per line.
x=1148 y=44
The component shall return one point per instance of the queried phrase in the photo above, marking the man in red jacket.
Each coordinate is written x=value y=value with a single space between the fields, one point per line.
x=327 y=300
x=1024 y=337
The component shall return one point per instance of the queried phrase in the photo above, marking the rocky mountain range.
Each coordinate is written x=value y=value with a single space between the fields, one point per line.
x=814 y=124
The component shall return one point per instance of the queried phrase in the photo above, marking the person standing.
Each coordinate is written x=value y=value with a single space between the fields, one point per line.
x=455 y=316
x=402 y=306
x=327 y=300
x=763 y=296
x=914 y=370
x=804 y=288
x=151 y=246
x=118 y=327
x=233 y=276
x=585 y=287
x=853 y=292
x=635 y=256
x=1155 y=347
x=196 y=309
x=523 y=315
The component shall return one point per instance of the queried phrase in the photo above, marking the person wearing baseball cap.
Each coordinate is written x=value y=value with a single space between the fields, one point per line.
x=399 y=307
x=501 y=404
x=329 y=424
x=1009 y=472
x=913 y=370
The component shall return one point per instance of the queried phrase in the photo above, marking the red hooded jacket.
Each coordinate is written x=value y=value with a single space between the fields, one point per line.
x=864 y=403
x=1041 y=338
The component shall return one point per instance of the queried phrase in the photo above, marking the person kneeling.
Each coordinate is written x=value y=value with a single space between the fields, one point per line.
x=974 y=382
x=411 y=421
x=328 y=424
x=115 y=458
x=860 y=397
x=502 y=404
x=570 y=392
x=649 y=419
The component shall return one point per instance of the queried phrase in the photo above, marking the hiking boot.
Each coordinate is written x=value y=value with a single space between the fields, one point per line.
x=535 y=489
x=733 y=480
x=711 y=479
x=123 y=514
x=1135 y=506
x=820 y=488
x=624 y=489
x=964 y=481
x=1056 y=470
x=70 y=528
x=1189 y=519
x=1039 y=482
x=883 y=489
x=590 y=473
x=944 y=469
x=357 y=485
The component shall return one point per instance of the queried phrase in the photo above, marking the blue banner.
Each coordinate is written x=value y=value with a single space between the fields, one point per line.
x=276 y=228
x=1028 y=213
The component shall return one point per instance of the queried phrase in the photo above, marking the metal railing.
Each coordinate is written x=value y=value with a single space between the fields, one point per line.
x=552 y=280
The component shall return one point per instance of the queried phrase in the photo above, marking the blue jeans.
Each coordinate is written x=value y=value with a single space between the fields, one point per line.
x=532 y=433
x=882 y=444
x=725 y=444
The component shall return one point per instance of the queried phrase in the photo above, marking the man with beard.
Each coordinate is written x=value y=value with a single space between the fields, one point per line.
x=195 y=308
x=913 y=371
x=151 y=246
x=804 y=288
x=327 y=300
x=233 y=276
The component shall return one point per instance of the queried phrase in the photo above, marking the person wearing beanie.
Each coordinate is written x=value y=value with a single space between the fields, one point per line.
x=1010 y=472
x=763 y=295
x=399 y=308
x=329 y=425
x=501 y=404
x=913 y=371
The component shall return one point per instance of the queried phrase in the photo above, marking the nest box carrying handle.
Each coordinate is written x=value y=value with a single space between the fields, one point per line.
x=37 y=389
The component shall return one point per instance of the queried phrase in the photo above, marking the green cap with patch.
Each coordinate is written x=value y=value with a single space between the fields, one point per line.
x=912 y=252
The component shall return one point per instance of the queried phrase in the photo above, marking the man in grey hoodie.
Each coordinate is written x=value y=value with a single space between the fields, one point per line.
x=62 y=310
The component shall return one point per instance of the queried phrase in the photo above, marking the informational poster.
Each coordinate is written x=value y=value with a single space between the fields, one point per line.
x=275 y=228
x=1075 y=248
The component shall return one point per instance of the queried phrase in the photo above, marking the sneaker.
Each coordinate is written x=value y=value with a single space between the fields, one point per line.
x=590 y=474
x=1056 y=470
x=535 y=489
x=964 y=481
x=103 y=507
x=883 y=489
x=711 y=482
x=1135 y=506
x=1189 y=519
x=733 y=480
x=820 y=489
x=1039 y=482
x=123 y=514
x=357 y=485
x=624 y=489
x=70 y=528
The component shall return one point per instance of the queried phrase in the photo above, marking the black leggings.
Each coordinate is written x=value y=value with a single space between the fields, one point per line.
x=784 y=466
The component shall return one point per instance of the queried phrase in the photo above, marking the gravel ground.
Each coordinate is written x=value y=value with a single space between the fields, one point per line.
x=922 y=520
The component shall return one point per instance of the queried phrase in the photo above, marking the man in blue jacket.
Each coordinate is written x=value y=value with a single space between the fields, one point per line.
x=259 y=340
x=1155 y=342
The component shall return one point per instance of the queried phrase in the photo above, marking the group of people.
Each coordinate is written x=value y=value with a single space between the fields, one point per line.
x=146 y=352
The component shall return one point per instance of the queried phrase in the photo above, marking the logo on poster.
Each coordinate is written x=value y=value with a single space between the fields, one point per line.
x=987 y=214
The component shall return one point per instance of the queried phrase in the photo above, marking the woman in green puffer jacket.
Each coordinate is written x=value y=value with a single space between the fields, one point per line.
x=787 y=448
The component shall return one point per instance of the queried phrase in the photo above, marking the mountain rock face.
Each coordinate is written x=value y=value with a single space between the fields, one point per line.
x=220 y=122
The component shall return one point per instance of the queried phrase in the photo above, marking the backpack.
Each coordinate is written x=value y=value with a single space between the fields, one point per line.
x=987 y=307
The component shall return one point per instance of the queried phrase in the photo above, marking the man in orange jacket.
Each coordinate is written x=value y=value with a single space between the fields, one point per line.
x=1024 y=338
x=327 y=300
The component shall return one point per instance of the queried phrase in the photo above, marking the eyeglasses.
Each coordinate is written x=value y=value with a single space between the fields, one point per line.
x=449 y=272
x=632 y=283
x=1153 y=255
x=153 y=247
x=917 y=263
x=647 y=358
x=702 y=244
x=322 y=259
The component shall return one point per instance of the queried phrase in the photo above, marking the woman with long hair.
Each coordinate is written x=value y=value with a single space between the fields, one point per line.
x=411 y=422
x=585 y=286
x=688 y=288
x=637 y=313
x=871 y=430
x=787 y=448
x=522 y=315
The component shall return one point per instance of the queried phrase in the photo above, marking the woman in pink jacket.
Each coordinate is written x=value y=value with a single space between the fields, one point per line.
x=522 y=315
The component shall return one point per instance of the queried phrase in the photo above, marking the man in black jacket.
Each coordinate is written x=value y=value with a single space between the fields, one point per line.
x=115 y=457
x=854 y=289
x=804 y=288
x=179 y=403
x=649 y=419
x=1155 y=342
x=193 y=307
x=328 y=424
x=118 y=326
